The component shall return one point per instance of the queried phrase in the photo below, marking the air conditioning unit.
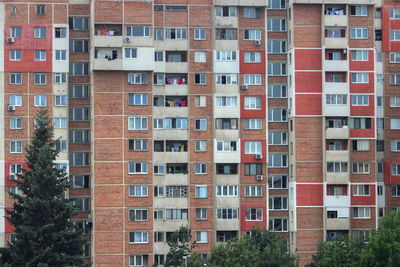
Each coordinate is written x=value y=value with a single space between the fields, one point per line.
x=11 y=108
x=10 y=40
x=244 y=87
x=259 y=178
x=128 y=39
x=13 y=177
x=257 y=42
x=259 y=156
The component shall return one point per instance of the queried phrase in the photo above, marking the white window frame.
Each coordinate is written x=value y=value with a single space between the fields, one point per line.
x=277 y=138
x=394 y=57
x=15 y=55
x=253 y=191
x=40 y=32
x=252 y=79
x=360 y=11
x=249 y=213
x=360 y=77
x=201 y=191
x=15 y=146
x=231 y=11
x=273 y=163
x=145 y=29
x=139 y=237
x=280 y=117
x=277 y=68
x=361 y=167
x=226 y=101
x=283 y=222
x=283 y=203
x=200 y=56
x=137 y=78
x=276 y=4
x=361 y=190
x=179 y=33
x=360 y=100
x=130 y=53
x=200 y=146
x=60 y=100
x=200 y=34
x=16 y=100
x=40 y=100
x=395 y=145
x=226 y=146
x=138 y=99
x=61 y=55
x=394 y=13
x=252 y=124
x=40 y=78
x=361 y=212
x=60 y=123
x=134 y=125
x=334 y=99
x=201 y=237
x=230 y=78
x=143 y=167
x=271 y=45
x=60 y=78
x=227 y=213
x=276 y=25
x=252 y=57
x=15 y=123
x=200 y=168
x=226 y=56
x=358 y=33
x=16 y=78
x=273 y=180
x=203 y=122
x=252 y=35
x=252 y=102
x=359 y=55
x=253 y=147
x=138 y=260
x=227 y=190
x=133 y=215
x=395 y=123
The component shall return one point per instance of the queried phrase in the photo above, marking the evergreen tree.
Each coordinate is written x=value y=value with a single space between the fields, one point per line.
x=41 y=215
x=179 y=247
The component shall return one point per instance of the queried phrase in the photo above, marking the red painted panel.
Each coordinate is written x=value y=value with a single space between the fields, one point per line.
x=364 y=110
x=308 y=59
x=389 y=178
x=363 y=65
x=363 y=200
x=356 y=88
x=364 y=133
x=251 y=158
x=387 y=25
x=309 y=194
x=28 y=44
x=310 y=104
x=253 y=113
x=308 y=82
x=258 y=68
x=248 y=225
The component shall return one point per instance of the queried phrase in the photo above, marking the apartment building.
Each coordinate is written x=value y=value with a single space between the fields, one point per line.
x=218 y=115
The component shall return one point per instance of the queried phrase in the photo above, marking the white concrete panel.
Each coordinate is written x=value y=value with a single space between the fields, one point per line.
x=170 y=157
x=334 y=202
x=171 y=45
x=143 y=62
x=226 y=66
x=171 y=134
x=226 y=22
x=227 y=202
x=227 y=134
x=2 y=38
x=228 y=225
x=60 y=44
x=171 y=203
x=227 y=45
x=170 y=112
x=230 y=179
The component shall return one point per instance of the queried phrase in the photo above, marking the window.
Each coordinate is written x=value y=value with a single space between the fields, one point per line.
x=130 y=53
x=177 y=214
x=251 y=13
x=138 y=31
x=175 y=33
x=138 y=167
x=158 y=123
x=61 y=55
x=252 y=124
x=252 y=34
x=226 y=101
x=252 y=102
x=336 y=99
x=201 y=191
x=276 y=25
x=15 y=32
x=158 y=79
x=201 y=213
x=40 y=101
x=225 y=34
x=360 y=100
x=200 y=101
x=359 y=11
x=226 y=146
x=359 y=55
x=16 y=100
x=277 y=182
x=226 y=79
x=394 y=57
x=80 y=181
x=227 y=190
x=361 y=167
x=252 y=147
x=276 y=4
x=225 y=11
x=199 y=34
x=394 y=124
x=361 y=190
x=176 y=123
x=159 y=236
x=137 y=123
x=277 y=161
x=278 y=225
x=158 y=191
x=359 y=77
x=82 y=204
x=201 y=146
x=227 y=213
x=60 y=32
x=277 y=115
x=60 y=123
x=16 y=78
x=40 y=9
x=15 y=55
x=79 y=159
x=395 y=101
x=137 y=78
x=176 y=191
x=252 y=79
x=395 y=145
x=15 y=123
x=137 y=99
x=14 y=170
x=79 y=136
x=253 y=169
x=200 y=78
x=138 y=144
x=394 y=79
x=226 y=168
x=277 y=68
x=200 y=56
x=276 y=46
x=253 y=191
x=226 y=56
x=252 y=57
x=79 y=114
x=40 y=78
x=138 y=214
x=395 y=169
x=395 y=190
x=226 y=124
x=158 y=169
x=40 y=32
x=360 y=123
x=336 y=166
x=253 y=214
x=278 y=203
x=78 y=68
x=158 y=56
x=15 y=146
x=359 y=33
x=361 y=213
x=60 y=77
x=138 y=190
x=61 y=145
x=78 y=46
x=158 y=34
x=380 y=145
x=201 y=237
x=200 y=124
x=277 y=138
x=175 y=8
x=138 y=260
x=361 y=145
x=201 y=168
x=394 y=13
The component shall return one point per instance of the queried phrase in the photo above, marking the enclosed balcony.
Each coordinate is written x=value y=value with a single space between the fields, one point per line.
x=176 y=61
x=335 y=15
x=171 y=105
x=337 y=172
x=335 y=37
x=337 y=150
x=336 y=128
x=108 y=35
x=108 y=59
x=336 y=60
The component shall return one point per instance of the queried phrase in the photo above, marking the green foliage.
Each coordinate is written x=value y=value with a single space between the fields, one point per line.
x=179 y=246
x=260 y=249
x=195 y=260
x=45 y=234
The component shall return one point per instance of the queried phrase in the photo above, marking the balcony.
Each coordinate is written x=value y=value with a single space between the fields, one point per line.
x=226 y=22
x=337 y=201
x=337 y=133
x=338 y=224
x=337 y=155
x=227 y=157
x=176 y=67
x=336 y=87
x=335 y=15
x=336 y=42
x=337 y=177
x=336 y=65
x=108 y=35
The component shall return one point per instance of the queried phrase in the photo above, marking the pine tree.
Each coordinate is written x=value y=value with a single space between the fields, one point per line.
x=41 y=215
